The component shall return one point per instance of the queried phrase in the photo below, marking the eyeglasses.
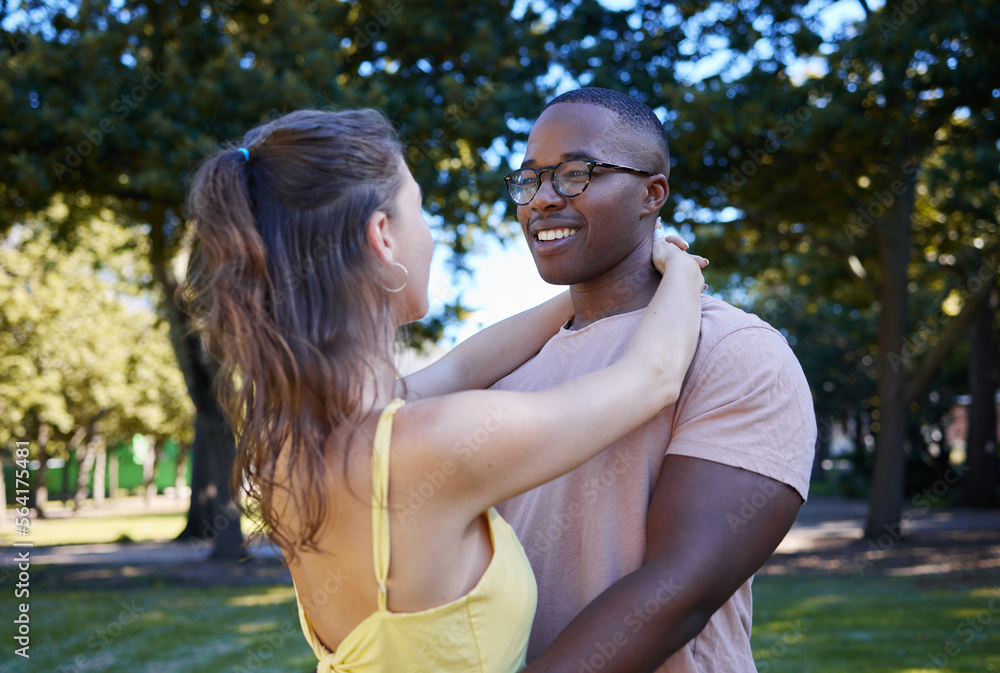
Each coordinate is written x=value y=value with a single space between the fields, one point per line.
x=569 y=178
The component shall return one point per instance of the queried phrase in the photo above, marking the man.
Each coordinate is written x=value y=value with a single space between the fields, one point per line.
x=644 y=555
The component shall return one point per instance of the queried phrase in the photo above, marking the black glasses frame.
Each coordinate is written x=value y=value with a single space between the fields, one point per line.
x=591 y=164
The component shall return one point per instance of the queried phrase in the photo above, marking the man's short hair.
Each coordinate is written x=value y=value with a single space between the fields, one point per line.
x=642 y=130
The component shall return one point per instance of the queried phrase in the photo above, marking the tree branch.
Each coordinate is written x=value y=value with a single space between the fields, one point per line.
x=956 y=328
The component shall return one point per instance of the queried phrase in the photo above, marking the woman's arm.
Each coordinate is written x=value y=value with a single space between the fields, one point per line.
x=497 y=444
x=491 y=354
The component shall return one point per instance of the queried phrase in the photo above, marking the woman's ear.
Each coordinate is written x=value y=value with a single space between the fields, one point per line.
x=657 y=192
x=379 y=238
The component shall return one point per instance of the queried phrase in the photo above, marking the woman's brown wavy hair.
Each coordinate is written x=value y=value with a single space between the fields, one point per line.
x=286 y=293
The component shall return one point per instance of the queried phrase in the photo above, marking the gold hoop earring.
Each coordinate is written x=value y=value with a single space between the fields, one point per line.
x=406 y=279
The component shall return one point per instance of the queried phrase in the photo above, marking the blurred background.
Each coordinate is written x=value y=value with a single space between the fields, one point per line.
x=836 y=160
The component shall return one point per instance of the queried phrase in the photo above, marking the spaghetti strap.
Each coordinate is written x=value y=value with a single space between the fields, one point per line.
x=380 y=498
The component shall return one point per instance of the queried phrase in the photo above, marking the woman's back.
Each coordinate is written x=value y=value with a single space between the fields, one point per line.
x=448 y=572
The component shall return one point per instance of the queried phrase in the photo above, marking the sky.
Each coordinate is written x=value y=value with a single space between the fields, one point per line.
x=505 y=282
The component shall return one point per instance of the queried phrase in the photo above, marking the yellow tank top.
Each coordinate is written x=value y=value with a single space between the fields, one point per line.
x=486 y=630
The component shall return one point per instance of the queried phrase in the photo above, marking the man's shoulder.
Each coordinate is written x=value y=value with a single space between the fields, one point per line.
x=721 y=320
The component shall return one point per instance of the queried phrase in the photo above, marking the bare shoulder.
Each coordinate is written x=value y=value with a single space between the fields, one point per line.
x=450 y=427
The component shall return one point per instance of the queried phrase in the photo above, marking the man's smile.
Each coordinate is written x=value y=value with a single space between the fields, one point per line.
x=554 y=234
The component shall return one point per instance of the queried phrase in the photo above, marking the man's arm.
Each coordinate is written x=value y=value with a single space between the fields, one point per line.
x=701 y=547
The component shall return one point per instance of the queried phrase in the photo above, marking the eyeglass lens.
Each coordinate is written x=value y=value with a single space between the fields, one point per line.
x=570 y=178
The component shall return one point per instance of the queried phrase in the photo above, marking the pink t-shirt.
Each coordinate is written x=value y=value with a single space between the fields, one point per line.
x=745 y=402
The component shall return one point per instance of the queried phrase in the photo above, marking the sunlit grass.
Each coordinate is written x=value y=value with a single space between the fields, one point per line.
x=112 y=528
x=165 y=629
x=890 y=625
x=135 y=527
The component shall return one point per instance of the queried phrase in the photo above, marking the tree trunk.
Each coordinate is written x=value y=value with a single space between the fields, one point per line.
x=100 y=470
x=886 y=500
x=113 y=476
x=71 y=449
x=149 y=469
x=85 y=464
x=213 y=514
x=823 y=440
x=41 y=488
x=3 y=494
x=180 y=480
x=980 y=481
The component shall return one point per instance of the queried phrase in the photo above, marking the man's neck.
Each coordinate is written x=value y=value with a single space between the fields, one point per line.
x=629 y=286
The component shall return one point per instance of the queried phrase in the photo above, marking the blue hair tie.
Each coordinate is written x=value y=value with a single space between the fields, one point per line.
x=245 y=152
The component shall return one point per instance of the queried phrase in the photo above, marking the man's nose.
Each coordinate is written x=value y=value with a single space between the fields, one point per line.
x=547 y=197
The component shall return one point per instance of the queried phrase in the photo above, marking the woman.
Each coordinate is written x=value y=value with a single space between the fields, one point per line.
x=312 y=250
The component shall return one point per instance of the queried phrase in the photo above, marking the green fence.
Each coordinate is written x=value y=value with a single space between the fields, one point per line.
x=61 y=478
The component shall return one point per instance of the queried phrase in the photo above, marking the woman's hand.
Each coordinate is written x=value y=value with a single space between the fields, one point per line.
x=667 y=247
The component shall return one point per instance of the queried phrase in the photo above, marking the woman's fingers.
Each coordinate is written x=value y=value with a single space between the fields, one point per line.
x=661 y=250
x=677 y=240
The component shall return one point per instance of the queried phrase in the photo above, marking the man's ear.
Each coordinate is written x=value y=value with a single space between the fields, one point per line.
x=379 y=237
x=657 y=192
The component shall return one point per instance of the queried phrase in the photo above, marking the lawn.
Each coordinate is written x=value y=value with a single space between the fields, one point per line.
x=830 y=624
x=60 y=528
x=111 y=528
x=162 y=629
x=802 y=624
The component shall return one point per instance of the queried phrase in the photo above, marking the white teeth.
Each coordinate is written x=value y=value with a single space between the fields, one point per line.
x=553 y=234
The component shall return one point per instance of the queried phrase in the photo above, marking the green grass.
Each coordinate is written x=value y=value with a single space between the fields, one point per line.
x=891 y=625
x=162 y=629
x=112 y=528
x=59 y=529
x=801 y=624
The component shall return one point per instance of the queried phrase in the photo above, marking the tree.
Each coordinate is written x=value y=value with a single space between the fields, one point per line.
x=112 y=106
x=82 y=354
x=827 y=164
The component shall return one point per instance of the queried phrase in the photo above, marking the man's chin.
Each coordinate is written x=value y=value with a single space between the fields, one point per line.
x=556 y=277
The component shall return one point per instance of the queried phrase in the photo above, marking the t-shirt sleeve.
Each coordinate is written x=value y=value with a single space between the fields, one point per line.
x=746 y=403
